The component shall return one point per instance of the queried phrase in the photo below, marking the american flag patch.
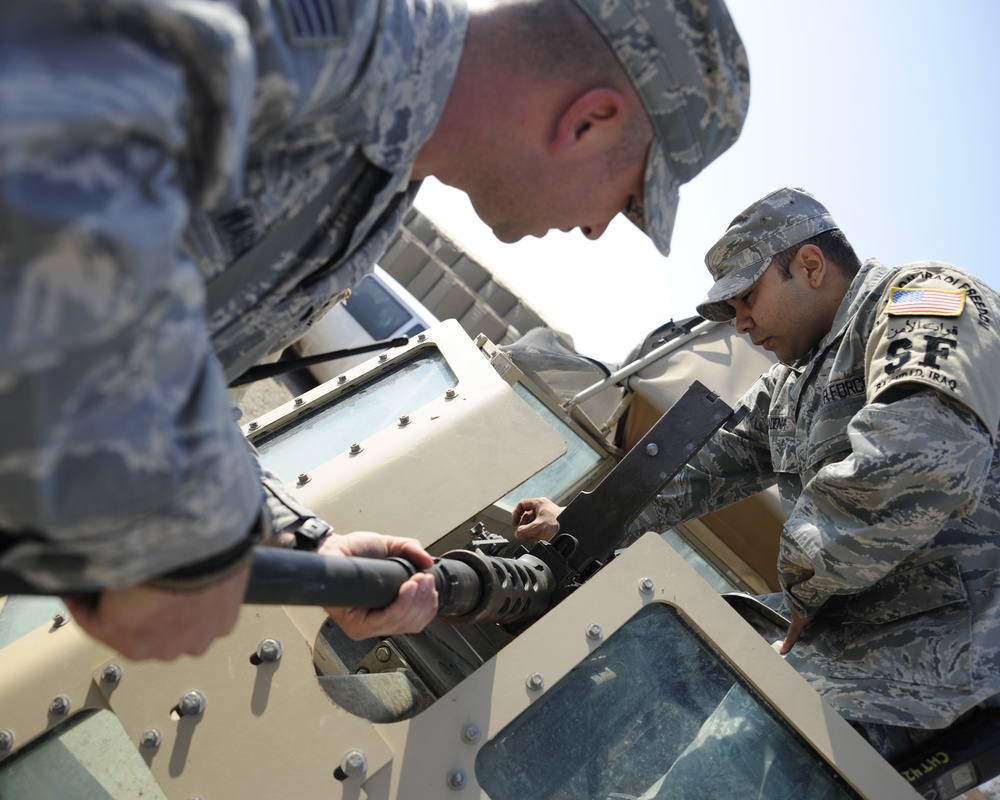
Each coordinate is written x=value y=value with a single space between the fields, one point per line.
x=927 y=302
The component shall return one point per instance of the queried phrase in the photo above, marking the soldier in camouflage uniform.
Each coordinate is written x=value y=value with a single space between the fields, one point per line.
x=879 y=427
x=186 y=186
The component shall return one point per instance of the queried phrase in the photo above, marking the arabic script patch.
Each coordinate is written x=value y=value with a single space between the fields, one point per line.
x=926 y=302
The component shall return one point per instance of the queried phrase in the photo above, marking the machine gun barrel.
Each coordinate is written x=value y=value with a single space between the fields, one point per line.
x=472 y=587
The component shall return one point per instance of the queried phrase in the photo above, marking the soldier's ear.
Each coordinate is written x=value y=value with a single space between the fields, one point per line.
x=811 y=260
x=592 y=123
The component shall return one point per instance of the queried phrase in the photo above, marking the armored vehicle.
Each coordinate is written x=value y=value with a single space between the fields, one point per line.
x=588 y=667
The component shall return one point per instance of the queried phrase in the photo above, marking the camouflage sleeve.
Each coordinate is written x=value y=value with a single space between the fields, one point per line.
x=937 y=327
x=915 y=463
x=732 y=466
x=119 y=457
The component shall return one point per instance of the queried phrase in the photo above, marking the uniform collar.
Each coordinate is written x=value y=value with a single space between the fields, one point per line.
x=418 y=50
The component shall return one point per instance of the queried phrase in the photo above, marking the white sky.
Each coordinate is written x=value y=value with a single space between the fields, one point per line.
x=886 y=110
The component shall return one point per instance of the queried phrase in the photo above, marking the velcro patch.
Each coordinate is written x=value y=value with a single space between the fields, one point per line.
x=926 y=302
x=315 y=22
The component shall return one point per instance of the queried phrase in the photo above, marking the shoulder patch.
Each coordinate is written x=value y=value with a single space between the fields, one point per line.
x=311 y=23
x=926 y=302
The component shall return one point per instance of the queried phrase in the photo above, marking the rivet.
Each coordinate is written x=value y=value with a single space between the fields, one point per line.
x=450 y=394
x=150 y=738
x=6 y=740
x=535 y=682
x=404 y=420
x=456 y=779
x=354 y=764
x=383 y=653
x=112 y=673
x=59 y=706
x=298 y=401
x=383 y=356
x=341 y=379
x=304 y=478
x=646 y=585
x=269 y=650
x=471 y=734
x=594 y=631
x=652 y=449
x=192 y=704
x=254 y=425
x=356 y=448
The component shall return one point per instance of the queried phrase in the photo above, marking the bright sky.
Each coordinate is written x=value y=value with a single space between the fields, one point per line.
x=887 y=110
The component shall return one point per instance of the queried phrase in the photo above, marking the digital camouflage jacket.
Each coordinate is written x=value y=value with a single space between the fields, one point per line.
x=184 y=187
x=883 y=445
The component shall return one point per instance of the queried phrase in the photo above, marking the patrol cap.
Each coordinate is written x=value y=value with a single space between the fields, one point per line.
x=774 y=223
x=688 y=65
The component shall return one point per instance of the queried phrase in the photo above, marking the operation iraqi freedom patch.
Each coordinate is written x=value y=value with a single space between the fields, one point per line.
x=926 y=302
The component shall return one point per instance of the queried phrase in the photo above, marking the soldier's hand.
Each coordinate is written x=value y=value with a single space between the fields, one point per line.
x=415 y=605
x=141 y=622
x=536 y=518
x=794 y=631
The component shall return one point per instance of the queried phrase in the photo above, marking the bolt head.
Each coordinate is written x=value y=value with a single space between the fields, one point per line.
x=383 y=653
x=421 y=337
x=192 y=704
x=404 y=420
x=150 y=738
x=298 y=401
x=457 y=779
x=356 y=448
x=59 y=619
x=6 y=740
x=354 y=763
x=535 y=682
x=594 y=631
x=341 y=379
x=112 y=673
x=652 y=449
x=471 y=734
x=383 y=356
x=59 y=706
x=646 y=585
x=269 y=651
x=254 y=425
x=450 y=394
x=304 y=478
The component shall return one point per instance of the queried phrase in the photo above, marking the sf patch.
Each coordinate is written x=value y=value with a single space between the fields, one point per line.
x=926 y=302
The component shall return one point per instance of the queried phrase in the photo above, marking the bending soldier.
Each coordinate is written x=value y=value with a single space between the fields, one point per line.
x=186 y=187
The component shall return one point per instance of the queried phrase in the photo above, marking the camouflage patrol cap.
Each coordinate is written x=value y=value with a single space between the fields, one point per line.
x=687 y=63
x=774 y=223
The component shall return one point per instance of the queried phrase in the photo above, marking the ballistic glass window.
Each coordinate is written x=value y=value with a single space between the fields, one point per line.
x=565 y=473
x=377 y=311
x=318 y=436
x=89 y=757
x=653 y=713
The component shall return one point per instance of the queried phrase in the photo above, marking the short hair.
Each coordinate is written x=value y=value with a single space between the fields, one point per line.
x=555 y=41
x=835 y=247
